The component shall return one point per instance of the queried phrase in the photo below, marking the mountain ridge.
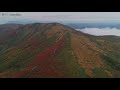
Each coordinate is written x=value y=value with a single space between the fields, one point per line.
x=41 y=50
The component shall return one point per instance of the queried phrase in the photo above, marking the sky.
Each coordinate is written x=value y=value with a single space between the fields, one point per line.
x=74 y=17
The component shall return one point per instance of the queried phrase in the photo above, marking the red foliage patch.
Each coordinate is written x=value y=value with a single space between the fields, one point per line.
x=2 y=76
x=43 y=64
x=49 y=52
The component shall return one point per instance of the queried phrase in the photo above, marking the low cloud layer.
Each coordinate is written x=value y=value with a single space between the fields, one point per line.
x=101 y=31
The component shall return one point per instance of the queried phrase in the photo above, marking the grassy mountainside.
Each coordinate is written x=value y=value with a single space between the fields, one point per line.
x=54 y=50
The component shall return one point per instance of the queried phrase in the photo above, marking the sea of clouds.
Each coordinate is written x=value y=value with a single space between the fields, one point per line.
x=101 y=31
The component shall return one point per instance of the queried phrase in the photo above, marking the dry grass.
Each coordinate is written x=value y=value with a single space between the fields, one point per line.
x=87 y=54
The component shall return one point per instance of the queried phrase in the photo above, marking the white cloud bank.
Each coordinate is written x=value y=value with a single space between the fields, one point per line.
x=101 y=31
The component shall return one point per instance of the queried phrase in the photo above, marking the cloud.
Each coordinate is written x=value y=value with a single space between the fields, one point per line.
x=101 y=31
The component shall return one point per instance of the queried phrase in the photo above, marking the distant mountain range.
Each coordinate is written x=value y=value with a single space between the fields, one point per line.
x=21 y=22
x=27 y=22
x=72 y=25
x=54 y=50
x=93 y=25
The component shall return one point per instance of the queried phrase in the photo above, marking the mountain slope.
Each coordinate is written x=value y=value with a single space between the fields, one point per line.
x=55 y=50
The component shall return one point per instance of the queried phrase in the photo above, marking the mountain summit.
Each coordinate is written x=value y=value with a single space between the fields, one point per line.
x=53 y=50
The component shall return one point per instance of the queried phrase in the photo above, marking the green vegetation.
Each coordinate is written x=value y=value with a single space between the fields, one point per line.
x=113 y=39
x=68 y=60
x=115 y=65
x=114 y=56
x=99 y=73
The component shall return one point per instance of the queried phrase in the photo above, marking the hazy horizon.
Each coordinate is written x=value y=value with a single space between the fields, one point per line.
x=61 y=17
